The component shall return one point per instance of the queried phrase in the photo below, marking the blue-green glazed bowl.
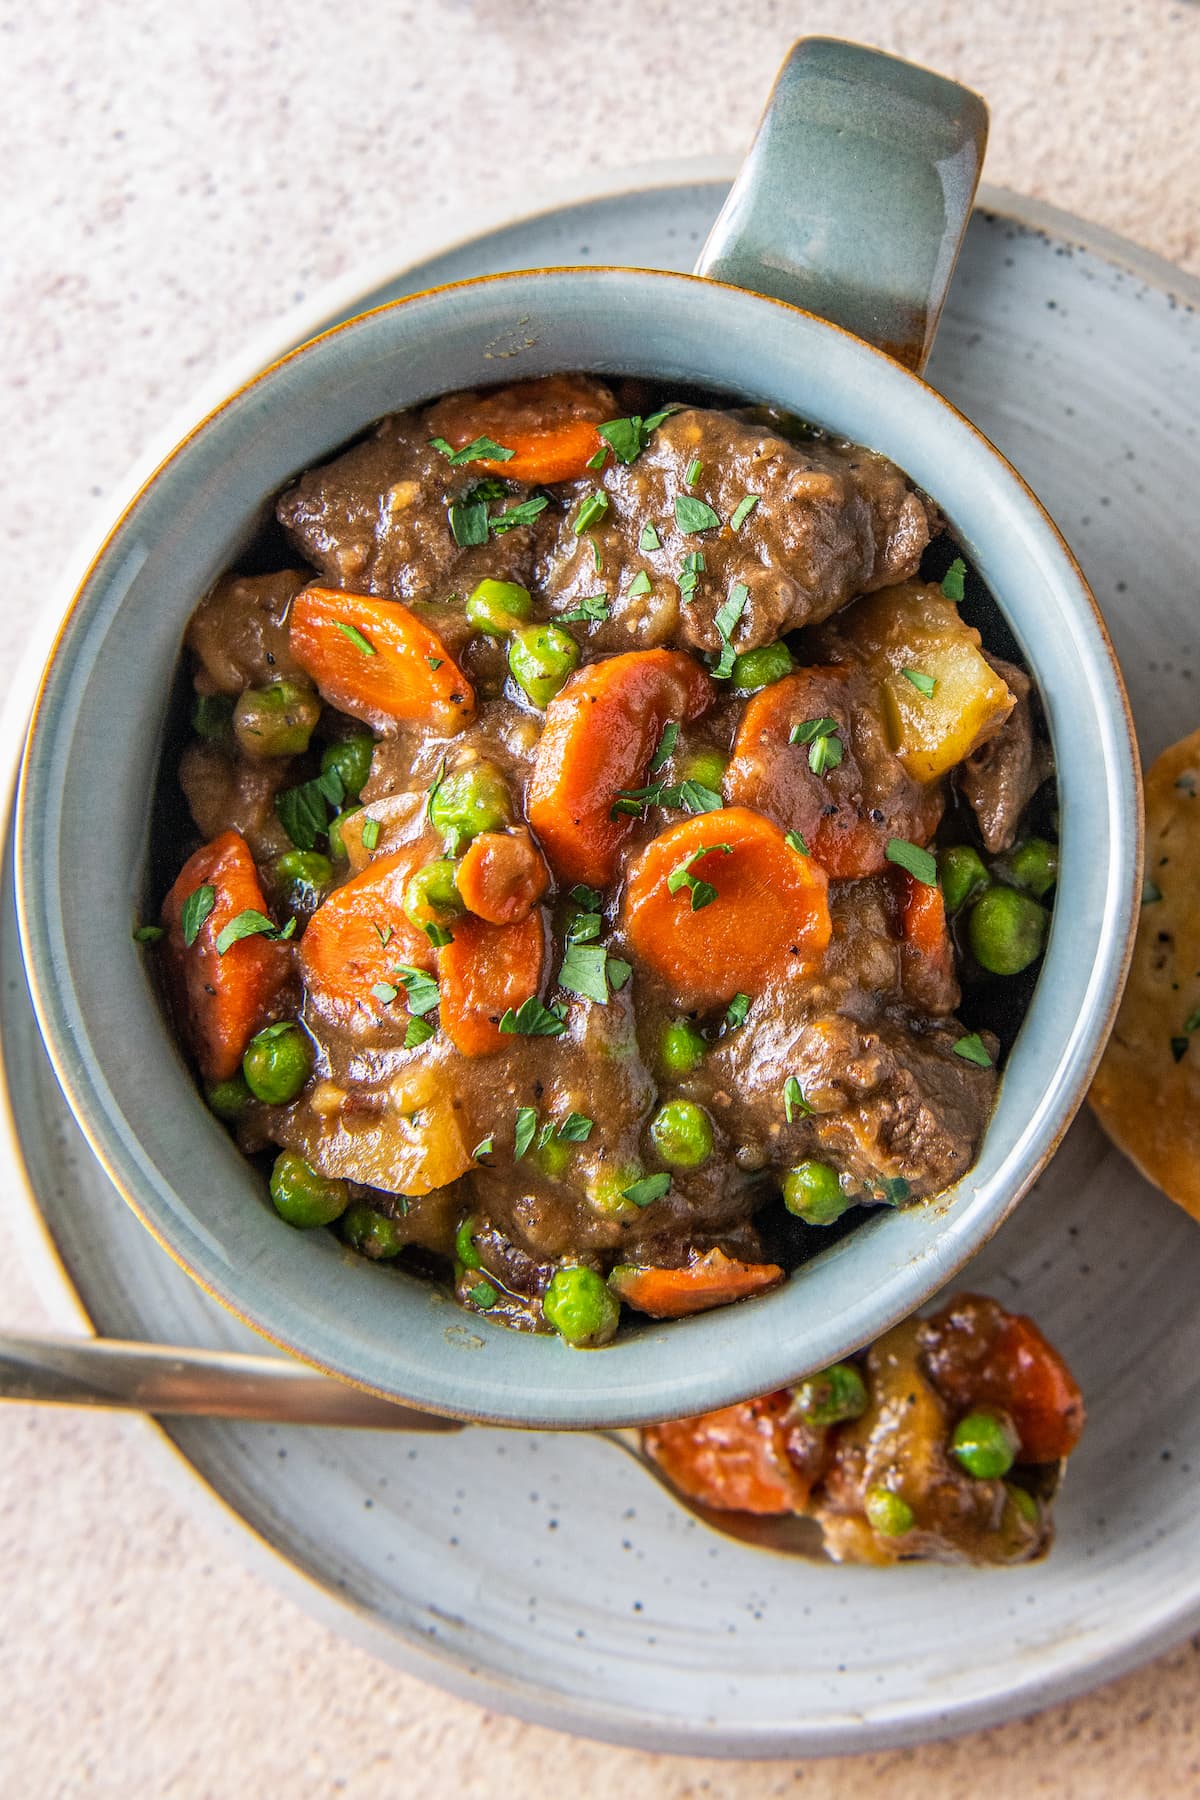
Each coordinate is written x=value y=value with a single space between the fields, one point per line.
x=91 y=766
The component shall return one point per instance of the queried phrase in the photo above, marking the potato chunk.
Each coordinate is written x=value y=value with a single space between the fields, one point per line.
x=911 y=636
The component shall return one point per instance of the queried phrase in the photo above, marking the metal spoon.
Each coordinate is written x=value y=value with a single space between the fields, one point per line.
x=225 y=1384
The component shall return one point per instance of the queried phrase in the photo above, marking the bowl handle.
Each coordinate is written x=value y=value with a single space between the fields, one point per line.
x=855 y=195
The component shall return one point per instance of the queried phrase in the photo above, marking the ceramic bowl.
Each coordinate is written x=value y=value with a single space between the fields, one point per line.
x=90 y=770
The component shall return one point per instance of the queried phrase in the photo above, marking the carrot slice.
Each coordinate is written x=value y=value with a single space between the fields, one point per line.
x=734 y=1459
x=360 y=935
x=502 y=876
x=378 y=661
x=221 y=1000
x=483 y=972
x=601 y=732
x=713 y=1279
x=982 y=1355
x=768 y=918
x=927 y=951
x=550 y=425
x=848 y=813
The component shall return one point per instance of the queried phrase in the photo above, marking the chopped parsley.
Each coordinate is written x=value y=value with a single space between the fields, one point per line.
x=591 y=899
x=689 y=576
x=920 y=864
x=685 y=796
x=250 y=923
x=524 y=514
x=356 y=637
x=419 y=1032
x=742 y=511
x=952 y=580
x=640 y=584
x=196 y=909
x=470 y=520
x=738 y=1007
x=421 y=990
x=583 y=971
x=532 y=1019
x=596 y=461
x=526 y=1128
x=649 y=1189
x=619 y=972
x=649 y=538
x=924 y=684
x=576 y=1128
x=591 y=512
x=147 y=934
x=593 y=609
x=703 y=893
x=627 y=438
x=692 y=515
x=726 y=620
x=584 y=928
x=384 y=992
x=795 y=842
x=483 y=1295
x=894 y=1189
x=795 y=1106
x=693 y=472
x=304 y=811
x=437 y=934
x=597 y=557
x=482 y=449
x=370 y=834
x=972 y=1049
x=666 y=745
x=823 y=737
x=435 y=662
x=484 y=1147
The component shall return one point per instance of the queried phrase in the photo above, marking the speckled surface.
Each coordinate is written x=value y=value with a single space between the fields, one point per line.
x=176 y=175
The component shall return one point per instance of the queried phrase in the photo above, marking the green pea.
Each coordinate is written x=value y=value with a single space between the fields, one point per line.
x=499 y=607
x=276 y=720
x=277 y=1063
x=1032 y=866
x=756 y=669
x=304 y=875
x=1023 y=1503
x=681 y=1048
x=836 y=1394
x=962 y=874
x=431 y=894
x=337 y=846
x=812 y=1192
x=887 y=1513
x=986 y=1445
x=554 y=1158
x=471 y=800
x=581 y=1307
x=464 y=1243
x=541 y=657
x=228 y=1099
x=683 y=1134
x=212 y=717
x=351 y=757
x=605 y=1190
x=302 y=1196
x=372 y=1233
x=705 y=766
x=1006 y=931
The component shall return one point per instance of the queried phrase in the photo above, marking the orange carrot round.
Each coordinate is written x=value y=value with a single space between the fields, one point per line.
x=378 y=661
x=713 y=1279
x=221 y=1001
x=767 y=919
x=358 y=937
x=601 y=732
x=733 y=1459
x=485 y=971
x=502 y=876
x=550 y=425
x=927 y=940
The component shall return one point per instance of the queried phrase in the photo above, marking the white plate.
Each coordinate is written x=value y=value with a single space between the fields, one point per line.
x=544 y=1576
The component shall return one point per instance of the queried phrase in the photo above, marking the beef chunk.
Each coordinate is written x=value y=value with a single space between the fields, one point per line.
x=239 y=632
x=832 y=521
x=1002 y=776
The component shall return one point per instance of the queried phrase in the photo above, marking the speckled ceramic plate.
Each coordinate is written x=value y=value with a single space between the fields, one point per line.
x=545 y=1576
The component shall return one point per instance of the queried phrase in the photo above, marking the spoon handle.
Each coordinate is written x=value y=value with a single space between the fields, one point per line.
x=160 y=1378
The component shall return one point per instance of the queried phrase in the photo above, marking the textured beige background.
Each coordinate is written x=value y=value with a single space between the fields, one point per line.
x=173 y=176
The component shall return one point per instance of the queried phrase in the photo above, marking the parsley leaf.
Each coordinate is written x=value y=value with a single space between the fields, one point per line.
x=356 y=637
x=639 y=585
x=725 y=620
x=619 y=972
x=742 y=511
x=795 y=1106
x=583 y=972
x=576 y=1128
x=795 y=842
x=952 y=580
x=304 y=811
x=532 y=1019
x=370 y=834
x=147 y=934
x=591 y=899
x=584 y=928
x=482 y=449
x=419 y=1032
x=894 y=1189
x=627 y=438
x=919 y=863
x=421 y=990
x=649 y=538
x=385 y=992
x=666 y=745
x=483 y=1295
x=591 y=512
x=924 y=684
x=649 y=1189
x=693 y=472
x=196 y=909
x=468 y=521
x=692 y=515
x=702 y=892
x=972 y=1049
x=597 y=461
x=249 y=923
x=811 y=729
x=738 y=1007
x=437 y=934
x=824 y=753
x=593 y=609
x=524 y=514
x=689 y=576
x=484 y=1147
x=525 y=1129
